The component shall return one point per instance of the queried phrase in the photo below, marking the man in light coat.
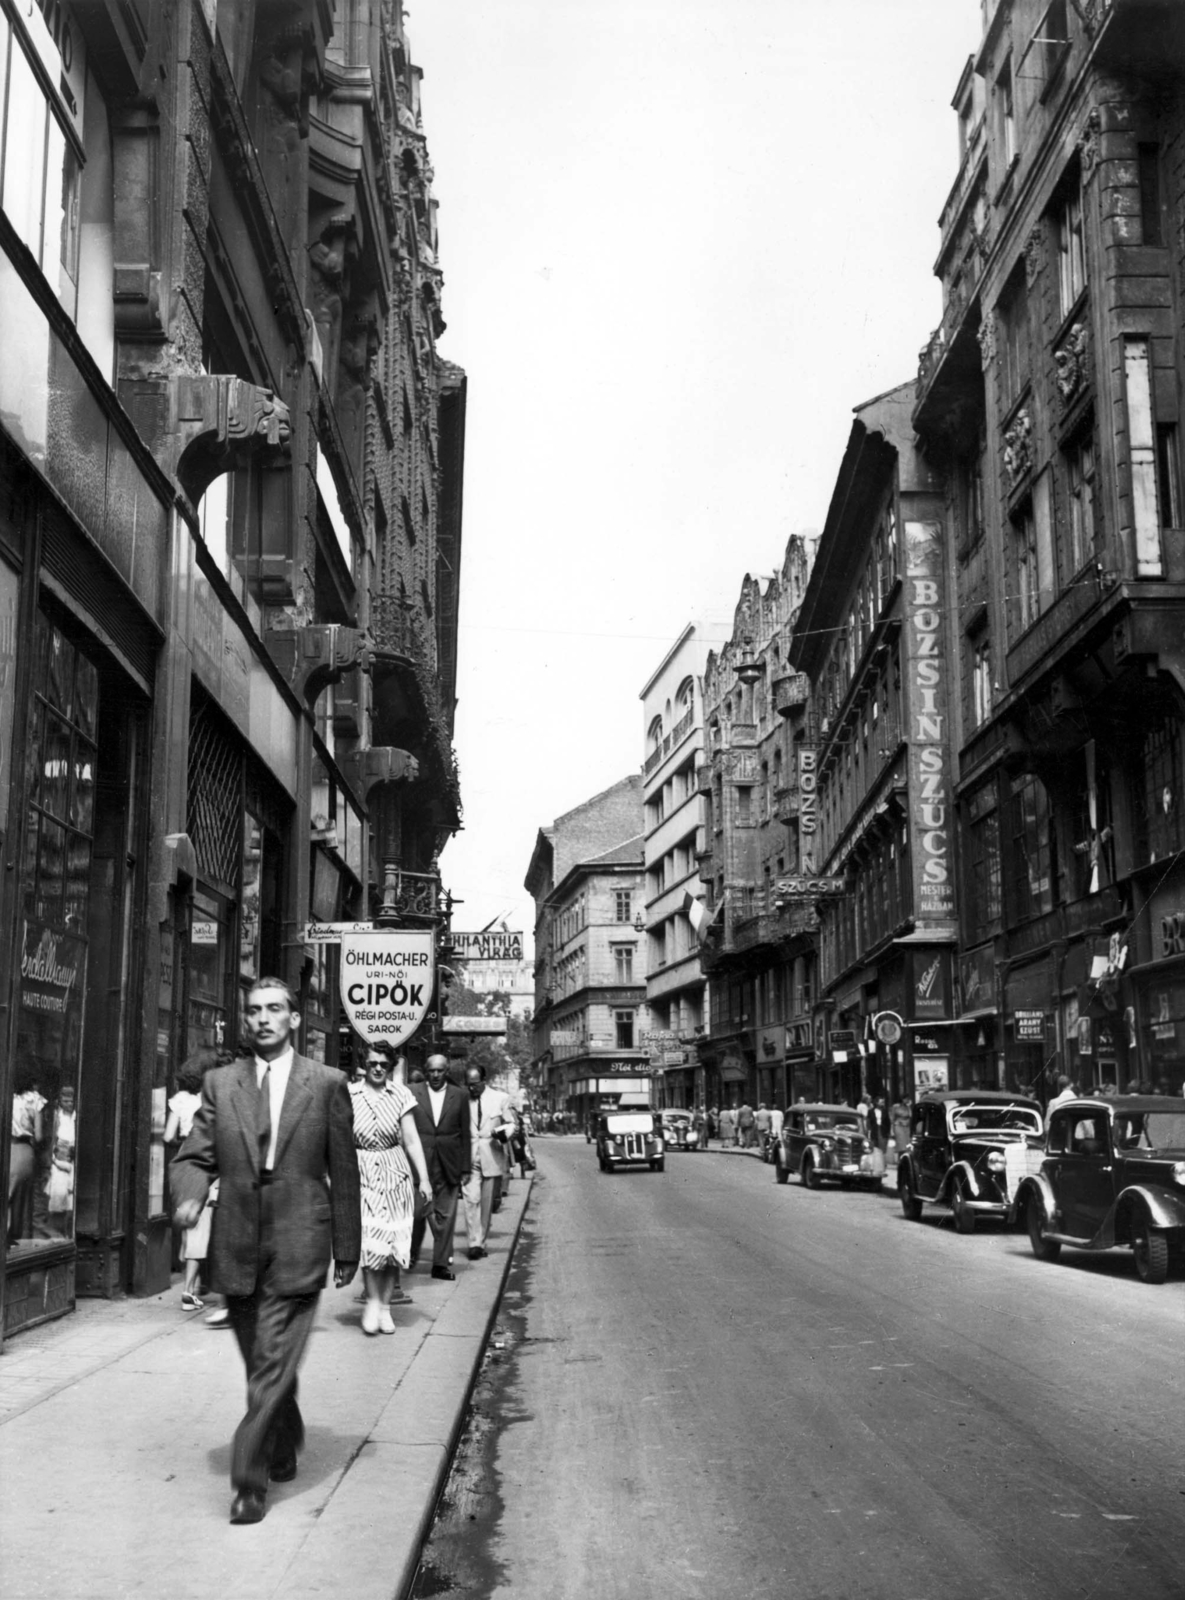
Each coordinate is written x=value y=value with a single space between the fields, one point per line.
x=276 y=1130
x=491 y=1126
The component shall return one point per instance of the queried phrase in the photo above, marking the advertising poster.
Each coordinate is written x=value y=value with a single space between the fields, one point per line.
x=387 y=981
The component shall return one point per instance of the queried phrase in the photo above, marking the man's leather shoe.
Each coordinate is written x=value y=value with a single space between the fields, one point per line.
x=477 y=1253
x=443 y=1272
x=248 y=1506
x=283 y=1471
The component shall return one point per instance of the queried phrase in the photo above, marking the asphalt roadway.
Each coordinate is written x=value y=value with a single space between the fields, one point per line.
x=710 y=1386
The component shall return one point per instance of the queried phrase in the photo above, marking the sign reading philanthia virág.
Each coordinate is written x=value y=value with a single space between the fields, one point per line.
x=386 y=982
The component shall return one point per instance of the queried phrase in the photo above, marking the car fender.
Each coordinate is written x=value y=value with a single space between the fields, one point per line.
x=957 y=1169
x=1165 y=1210
x=1036 y=1186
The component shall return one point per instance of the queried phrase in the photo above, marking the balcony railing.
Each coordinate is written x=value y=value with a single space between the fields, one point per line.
x=670 y=742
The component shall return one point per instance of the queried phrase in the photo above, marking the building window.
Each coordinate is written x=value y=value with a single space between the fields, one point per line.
x=744 y=806
x=983 y=864
x=623 y=963
x=1052 y=39
x=1033 y=549
x=1158 y=795
x=1142 y=447
x=1031 y=873
x=1151 y=199
x=1006 y=113
x=1080 y=473
x=1071 y=251
x=981 y=679
x=1014 y=314
x=623 y=1022
x=622 y=905
x=1168 y=478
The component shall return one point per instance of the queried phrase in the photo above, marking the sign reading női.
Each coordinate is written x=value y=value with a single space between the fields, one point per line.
x=387 y=978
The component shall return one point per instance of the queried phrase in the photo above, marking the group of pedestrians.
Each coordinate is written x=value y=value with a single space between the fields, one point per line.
x=286 y=1166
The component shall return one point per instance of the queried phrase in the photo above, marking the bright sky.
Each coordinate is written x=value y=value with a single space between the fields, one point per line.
x=680 y=241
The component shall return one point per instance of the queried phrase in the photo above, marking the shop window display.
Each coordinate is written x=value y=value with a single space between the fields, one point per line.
x=60 y=765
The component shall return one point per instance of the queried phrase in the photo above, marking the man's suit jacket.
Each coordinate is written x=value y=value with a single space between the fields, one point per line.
x=315 y=1189
x=446 y=1143
x=490 y=1154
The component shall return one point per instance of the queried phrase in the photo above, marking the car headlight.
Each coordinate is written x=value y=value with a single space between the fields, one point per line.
x=1179 y=1172
x=996 y=1162
x=826 y=1144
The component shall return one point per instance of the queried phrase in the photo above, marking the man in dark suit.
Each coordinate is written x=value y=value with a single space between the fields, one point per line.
x=442 y=1120
x=277 y=1131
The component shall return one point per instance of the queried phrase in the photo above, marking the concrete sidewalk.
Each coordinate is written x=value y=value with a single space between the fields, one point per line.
x=115 y=1429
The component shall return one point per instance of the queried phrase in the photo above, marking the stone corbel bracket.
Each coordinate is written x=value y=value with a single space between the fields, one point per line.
x=314 y=656
x=365 y=769
x=219 y=422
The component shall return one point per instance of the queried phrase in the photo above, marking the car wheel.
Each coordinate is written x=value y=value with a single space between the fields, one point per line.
x=780 y=1173
x=1044 y=1249
x=964 y=1216
x=910 y=1204
x=810 y=1173
x=660 y=1165
x=1150 y=1249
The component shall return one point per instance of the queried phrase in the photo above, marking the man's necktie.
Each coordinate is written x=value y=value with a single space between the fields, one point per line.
x=479 y=1111
x=263 y=1117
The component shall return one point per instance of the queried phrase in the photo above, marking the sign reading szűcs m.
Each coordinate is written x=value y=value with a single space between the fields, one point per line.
x=387 y=979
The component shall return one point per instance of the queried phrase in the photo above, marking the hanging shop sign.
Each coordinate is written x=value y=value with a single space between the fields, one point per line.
x=474 y=1025
x=801 y=887
x=501 y=946
x=808 y=806
x=931 y=989
x=888 y=1027
x=387 y=979
x=929 y=758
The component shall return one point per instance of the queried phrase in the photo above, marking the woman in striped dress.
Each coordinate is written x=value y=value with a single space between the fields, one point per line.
x=386 y=1140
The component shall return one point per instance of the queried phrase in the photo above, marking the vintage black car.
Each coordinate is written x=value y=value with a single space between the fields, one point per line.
x=680 y=1131
x=969 y=1152
x=824 y=1142
x=630 y=1136
x=1113 y=1175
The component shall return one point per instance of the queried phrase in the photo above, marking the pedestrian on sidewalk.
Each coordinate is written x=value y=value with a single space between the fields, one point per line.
x=183 y=1107
x=727 y=1127
x=491 y=1126
x=879 y=1126
x=277 y=1131
x=762 y=1125
x=388 y=1147
x=746 y=1126
x=442 y=1122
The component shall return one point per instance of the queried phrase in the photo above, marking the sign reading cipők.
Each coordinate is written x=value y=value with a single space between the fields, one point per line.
x=386 y=982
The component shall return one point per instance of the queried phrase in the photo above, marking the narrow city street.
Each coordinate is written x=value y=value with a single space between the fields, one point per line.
x=704 y=1385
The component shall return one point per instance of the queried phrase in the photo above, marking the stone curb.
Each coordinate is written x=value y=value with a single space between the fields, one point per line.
x=387 y=1497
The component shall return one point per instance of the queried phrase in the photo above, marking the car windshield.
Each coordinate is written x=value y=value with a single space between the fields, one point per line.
x=1152 y=1130
x=976 y=1118
x=631 y=1122
x=675 y=1116
x=831 y=1122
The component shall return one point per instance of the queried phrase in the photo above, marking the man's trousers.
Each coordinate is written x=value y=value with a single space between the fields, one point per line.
x=272 y=1330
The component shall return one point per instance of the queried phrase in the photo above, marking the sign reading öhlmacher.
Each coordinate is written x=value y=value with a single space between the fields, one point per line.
x=386 y=982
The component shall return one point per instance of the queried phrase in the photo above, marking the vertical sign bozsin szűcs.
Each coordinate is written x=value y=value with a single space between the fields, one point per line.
x=929 y=748
x=387 y=980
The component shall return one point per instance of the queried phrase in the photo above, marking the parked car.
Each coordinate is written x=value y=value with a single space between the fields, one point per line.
x=630 y=1137
x=969 y=1152
x=821 y=1142
x=679 y=1131
x=1113 y=1176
